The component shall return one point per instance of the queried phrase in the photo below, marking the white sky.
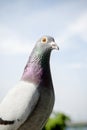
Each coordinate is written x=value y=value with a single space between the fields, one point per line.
x=22 y=22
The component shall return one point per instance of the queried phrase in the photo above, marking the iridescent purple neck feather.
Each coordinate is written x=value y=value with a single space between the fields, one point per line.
x=37 y=65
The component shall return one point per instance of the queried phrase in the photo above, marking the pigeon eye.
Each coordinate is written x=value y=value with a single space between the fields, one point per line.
x=44 y=40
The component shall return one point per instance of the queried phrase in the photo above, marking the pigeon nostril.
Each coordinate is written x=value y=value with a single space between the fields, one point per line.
x=54 y=45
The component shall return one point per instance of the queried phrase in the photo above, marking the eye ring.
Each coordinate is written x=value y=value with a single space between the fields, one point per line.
x=44 y=40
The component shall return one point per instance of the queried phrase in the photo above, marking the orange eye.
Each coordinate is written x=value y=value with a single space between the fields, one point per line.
x=44 y=40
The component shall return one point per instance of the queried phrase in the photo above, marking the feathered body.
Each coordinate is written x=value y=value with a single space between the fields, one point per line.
x=28 y=105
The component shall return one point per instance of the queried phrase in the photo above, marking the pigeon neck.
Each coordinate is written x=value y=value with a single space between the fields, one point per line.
x=35 y=68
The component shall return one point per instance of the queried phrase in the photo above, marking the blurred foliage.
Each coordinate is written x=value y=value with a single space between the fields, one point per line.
x=58 y=122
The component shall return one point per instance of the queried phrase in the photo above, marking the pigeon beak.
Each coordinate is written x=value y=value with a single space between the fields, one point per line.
x=54 y=46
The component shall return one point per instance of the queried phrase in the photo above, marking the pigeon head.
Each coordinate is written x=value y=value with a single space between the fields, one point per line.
x=38 y=62
x=45 y=44
x=43 y=48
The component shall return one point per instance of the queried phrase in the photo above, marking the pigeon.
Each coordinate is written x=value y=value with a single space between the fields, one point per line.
x=28 y=105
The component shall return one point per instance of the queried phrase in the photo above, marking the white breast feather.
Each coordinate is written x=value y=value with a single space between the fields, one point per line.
x=18 y=104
